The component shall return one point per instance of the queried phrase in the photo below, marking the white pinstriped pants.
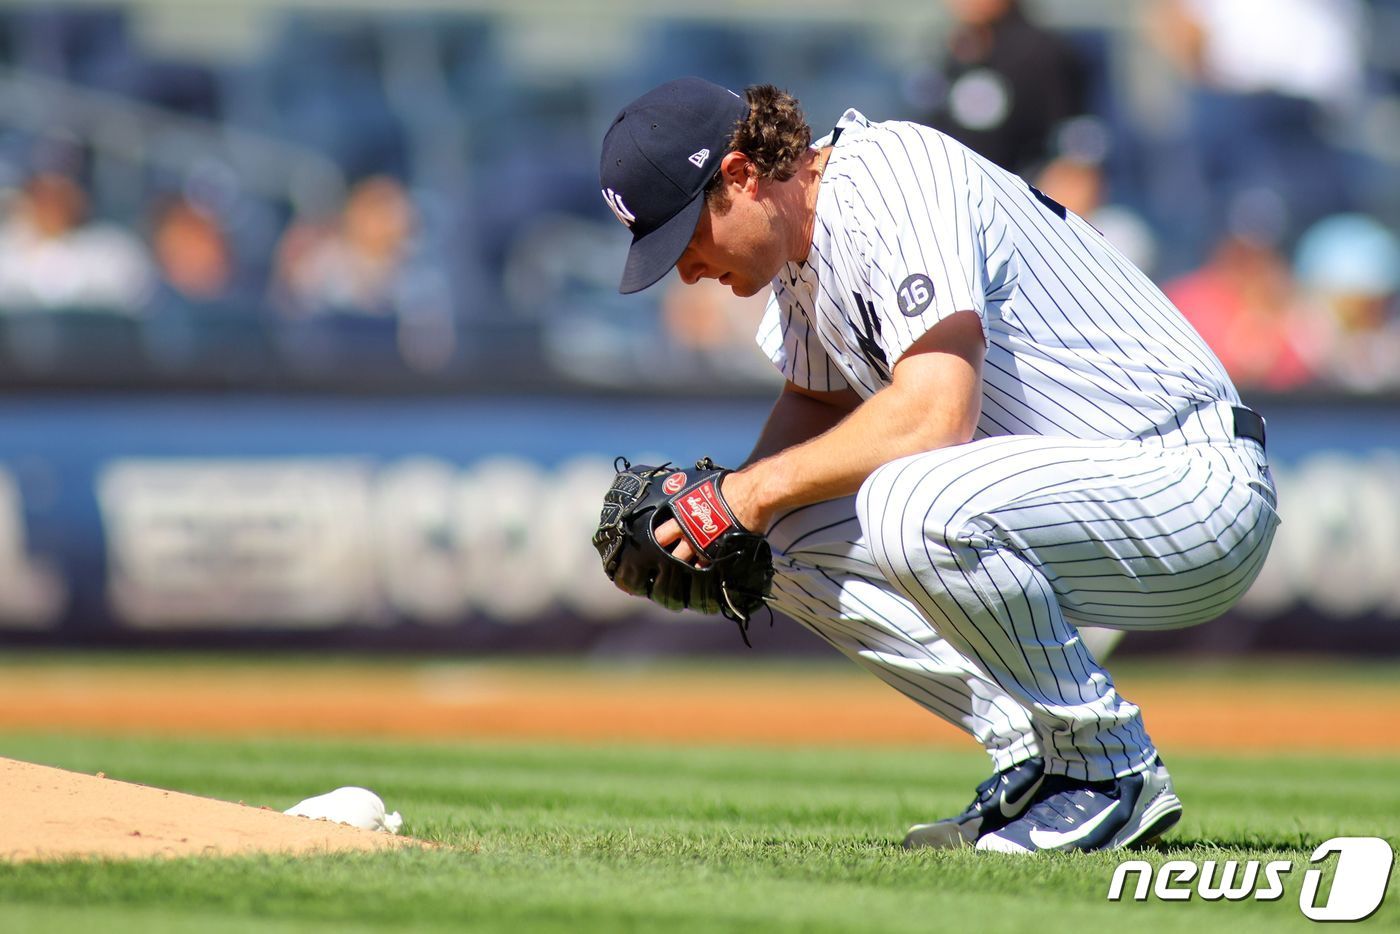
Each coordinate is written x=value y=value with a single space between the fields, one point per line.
x=959 y=576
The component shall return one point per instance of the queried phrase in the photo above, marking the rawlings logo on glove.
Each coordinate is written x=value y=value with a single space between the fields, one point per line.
x=698 y=516
x=738 y=564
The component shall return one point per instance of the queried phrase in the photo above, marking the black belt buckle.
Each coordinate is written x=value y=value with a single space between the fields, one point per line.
x=1249 y=424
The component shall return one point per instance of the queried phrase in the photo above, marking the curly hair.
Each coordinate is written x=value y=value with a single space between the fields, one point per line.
x=774 y=136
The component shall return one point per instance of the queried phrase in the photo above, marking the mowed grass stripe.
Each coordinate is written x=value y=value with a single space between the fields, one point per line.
x=543 y=837
x=839 y=888
x=853 y=788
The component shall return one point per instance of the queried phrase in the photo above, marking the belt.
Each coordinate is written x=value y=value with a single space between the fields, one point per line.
x=1249 y=424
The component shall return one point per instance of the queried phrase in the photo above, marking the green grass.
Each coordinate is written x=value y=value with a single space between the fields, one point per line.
x=583 y=838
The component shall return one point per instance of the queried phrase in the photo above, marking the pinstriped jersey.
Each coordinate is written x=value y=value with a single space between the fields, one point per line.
x=912 y=227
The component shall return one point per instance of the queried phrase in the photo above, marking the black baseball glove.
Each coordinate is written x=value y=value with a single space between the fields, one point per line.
x=738 y=567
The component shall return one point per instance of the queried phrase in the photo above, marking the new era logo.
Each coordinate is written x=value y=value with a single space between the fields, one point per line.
x=700 y=158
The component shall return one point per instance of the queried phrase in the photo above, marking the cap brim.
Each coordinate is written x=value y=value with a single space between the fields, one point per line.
x=653 y=255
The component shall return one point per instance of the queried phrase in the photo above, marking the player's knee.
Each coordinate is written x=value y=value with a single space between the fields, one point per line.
x=898 y=513
x=882 y=507
x=873 y=502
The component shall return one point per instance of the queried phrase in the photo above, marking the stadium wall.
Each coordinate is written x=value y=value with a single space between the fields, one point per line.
x=464 y=522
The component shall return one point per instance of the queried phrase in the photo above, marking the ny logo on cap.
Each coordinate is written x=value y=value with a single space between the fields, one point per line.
x=614 y=201
x=700 y=158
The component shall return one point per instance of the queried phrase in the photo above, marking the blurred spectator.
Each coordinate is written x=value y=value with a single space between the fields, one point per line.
x=52 y=258
x=371 y=263
x=1257 y=46
x=1004 y=85
x=1349 y=268
x=368 y=261
x=354 y=264
x=192 y=255
x=205 y=316
x=1266 y=80
x=1244 y=303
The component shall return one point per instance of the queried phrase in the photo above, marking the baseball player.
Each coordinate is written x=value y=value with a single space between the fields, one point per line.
x=993 y=430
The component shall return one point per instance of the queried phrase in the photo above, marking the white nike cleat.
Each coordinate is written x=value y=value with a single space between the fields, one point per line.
x=1000 y=800
x=1072 y=815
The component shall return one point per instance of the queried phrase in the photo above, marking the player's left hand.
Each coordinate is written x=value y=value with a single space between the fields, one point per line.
x=736 y=488
x=730 y=569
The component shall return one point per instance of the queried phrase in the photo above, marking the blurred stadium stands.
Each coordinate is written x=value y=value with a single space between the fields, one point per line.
x=489 y=119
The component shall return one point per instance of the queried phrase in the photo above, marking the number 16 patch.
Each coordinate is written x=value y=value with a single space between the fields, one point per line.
x=914 y=295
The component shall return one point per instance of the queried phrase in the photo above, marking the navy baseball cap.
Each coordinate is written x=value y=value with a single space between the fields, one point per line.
x=660 y=153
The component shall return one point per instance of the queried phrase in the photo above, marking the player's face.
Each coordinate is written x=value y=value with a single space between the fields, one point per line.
x=740 y=247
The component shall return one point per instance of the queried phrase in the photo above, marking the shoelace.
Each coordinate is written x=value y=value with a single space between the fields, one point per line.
x=1057 y=804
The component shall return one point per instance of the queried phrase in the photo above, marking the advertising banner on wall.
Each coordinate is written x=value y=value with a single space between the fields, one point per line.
x=146 y=519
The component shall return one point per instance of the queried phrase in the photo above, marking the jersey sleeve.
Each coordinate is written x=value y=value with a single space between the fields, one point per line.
x=786 y=337
x=926 y=261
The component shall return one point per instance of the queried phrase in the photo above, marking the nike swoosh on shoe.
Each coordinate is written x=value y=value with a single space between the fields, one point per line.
x=1049 y=839
x=1012 y=809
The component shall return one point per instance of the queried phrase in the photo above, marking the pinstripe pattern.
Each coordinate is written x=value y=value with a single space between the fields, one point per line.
x=1006 y=544
x=1080 y=342
x=1103 y=485
x=828 y=581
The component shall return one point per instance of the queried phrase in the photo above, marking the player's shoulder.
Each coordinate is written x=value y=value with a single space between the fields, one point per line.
x=874 y=150
x=854 y=125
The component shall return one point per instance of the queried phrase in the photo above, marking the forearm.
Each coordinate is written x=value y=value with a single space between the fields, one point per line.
x=797 y=418
x=934 y=400
x=835 y=463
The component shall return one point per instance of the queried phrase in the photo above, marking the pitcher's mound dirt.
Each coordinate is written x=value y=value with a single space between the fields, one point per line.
x=54 y=814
